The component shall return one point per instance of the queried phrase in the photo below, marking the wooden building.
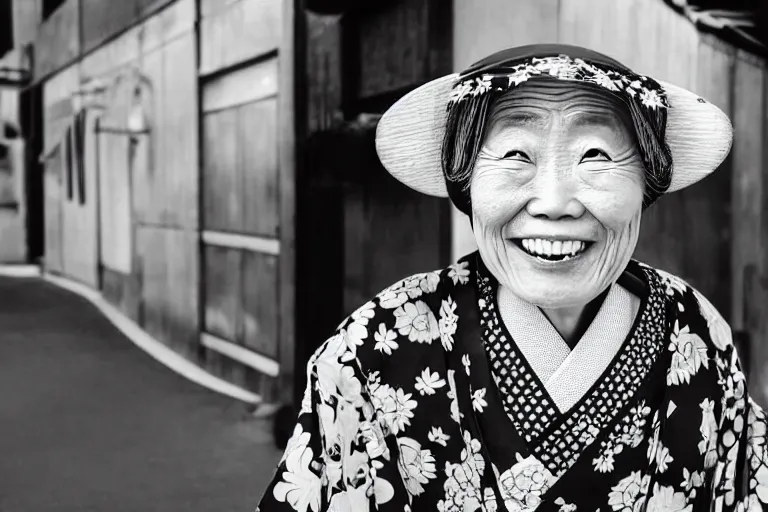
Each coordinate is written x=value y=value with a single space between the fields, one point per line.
x=165 y=142
x=209 y=165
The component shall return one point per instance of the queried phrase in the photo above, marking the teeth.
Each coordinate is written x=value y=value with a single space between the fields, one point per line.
x=539 y=246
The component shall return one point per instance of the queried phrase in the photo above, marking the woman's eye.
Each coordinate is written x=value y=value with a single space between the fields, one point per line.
x=516 y=155
x=595 y=154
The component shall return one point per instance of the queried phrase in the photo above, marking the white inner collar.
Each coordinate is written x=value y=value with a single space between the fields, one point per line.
x=568 y=374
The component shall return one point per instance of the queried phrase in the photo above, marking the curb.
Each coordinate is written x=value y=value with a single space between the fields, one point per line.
x=157 y=350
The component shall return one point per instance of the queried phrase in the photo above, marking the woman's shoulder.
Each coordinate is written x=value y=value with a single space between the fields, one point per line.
x=686 y=299
x=412 y=318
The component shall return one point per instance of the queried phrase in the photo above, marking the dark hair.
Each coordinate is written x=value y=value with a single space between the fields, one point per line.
x=467 y=122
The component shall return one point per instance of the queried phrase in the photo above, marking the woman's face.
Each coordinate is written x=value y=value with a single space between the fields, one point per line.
x=557 y=193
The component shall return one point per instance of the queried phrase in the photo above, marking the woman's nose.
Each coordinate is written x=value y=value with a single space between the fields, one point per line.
x=554 y=196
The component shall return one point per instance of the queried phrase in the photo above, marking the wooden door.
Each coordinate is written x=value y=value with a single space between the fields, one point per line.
x=242 y=251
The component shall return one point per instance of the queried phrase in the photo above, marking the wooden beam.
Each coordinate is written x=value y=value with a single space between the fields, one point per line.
x=292 y=126
x=240 y=354
x=237 y=241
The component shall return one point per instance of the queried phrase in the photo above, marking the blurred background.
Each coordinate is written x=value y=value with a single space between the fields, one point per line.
x=203 y=172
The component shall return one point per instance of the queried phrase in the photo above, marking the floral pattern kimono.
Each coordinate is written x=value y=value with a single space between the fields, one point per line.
x=424 y=399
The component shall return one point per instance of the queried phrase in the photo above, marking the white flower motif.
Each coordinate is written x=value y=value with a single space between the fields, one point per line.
x=428 y=382
x=334 y=377
x=692 y=481
x=466 y=362
x=719 y=330
x=385 y=340
x=523 y=485
x=628 y=494
x=565 y=507
x=436 y=435
x=519 y=76
x=483 y=85
x=651 y=99
x=448 y=323
x=489 y=500
x=299 y=486
x=708 y=429
x=456 y=415
x=459 y=272
x=665 y=499
x=417 y=322
x=409 y=288
x=417 y=466
x=364 y=313
x=689 y=353
x=462 y=483
x=604 y=463
x=663 y=458
x=605 y=81
x=478 y=400
x=395 y=405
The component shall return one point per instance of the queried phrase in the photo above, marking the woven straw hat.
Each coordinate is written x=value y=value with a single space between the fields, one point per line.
x=409 y=136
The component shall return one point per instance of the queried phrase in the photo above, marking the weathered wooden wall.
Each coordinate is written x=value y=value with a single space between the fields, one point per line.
x=57 y=42
x=26 y=18
x=58 y=112
x=246 y=186
x=143 y=248
x=233 y=31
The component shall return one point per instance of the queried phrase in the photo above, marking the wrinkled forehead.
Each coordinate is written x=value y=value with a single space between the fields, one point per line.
x=578 y=106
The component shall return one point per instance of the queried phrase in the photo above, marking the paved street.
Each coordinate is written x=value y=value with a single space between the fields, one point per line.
x=89 y=422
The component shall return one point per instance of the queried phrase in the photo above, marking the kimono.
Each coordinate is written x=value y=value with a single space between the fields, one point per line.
x=425 y=399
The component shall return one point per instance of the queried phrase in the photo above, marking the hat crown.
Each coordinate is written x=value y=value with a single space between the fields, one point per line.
x=518 y=54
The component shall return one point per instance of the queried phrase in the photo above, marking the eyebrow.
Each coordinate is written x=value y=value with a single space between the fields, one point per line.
x=512 y=116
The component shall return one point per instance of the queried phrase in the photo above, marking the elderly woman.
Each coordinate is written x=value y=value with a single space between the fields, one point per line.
x=548 y=370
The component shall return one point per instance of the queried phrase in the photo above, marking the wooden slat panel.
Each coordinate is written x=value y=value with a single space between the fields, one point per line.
x=179 y=166
x=324 y=72
x=58 y=39
x=223 y=281
x=707 y=250
x=102 y=20
x=27 y=14
x=123 y=292
x=481 y=28
x=148 y=180
x=385 y=66
x=259 y=167
x=242 y=86
x=747 y=180
x=291 y=129
x=58 y=109
x=170 y=273
x=53 y=225
x=244 y=29
x=222 y=209
x=260 y=303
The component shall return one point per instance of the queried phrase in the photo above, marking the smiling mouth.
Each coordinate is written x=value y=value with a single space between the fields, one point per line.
x=552 y=250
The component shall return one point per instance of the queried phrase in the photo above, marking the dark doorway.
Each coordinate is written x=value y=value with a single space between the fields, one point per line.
x=31 y=114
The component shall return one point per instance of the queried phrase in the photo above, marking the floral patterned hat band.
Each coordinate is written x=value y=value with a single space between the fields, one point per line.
x=562 y=67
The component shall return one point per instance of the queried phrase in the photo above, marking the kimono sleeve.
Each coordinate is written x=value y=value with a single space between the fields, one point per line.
x=741 y=471
x=337 y=458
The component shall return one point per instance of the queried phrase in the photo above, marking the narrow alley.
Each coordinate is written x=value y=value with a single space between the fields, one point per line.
x=89 y=422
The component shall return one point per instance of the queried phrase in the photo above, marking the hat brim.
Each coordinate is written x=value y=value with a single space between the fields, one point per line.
x=409 y=136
